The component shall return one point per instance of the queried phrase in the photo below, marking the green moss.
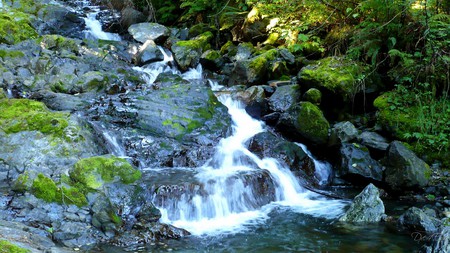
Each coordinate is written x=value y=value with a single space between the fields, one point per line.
x=337 y=75
x=22 y=183
x=45 y=188
x=228 y=48
x=15 y=27
x=94 y=171
x=198 y=43
x=311 y=123
x=10 y=54
x=7 y=247
x=212 y=55
x=28 y=115
x=58 y=43
x=313 y=95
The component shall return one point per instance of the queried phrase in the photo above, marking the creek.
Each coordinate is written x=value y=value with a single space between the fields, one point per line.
x=225 y=212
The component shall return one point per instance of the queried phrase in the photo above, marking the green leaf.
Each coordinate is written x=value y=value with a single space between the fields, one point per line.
x=303 y=37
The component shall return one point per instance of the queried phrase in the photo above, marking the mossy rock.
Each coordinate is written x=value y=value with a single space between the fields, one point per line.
x=313 y=95
x=8 y=247
x=229 y=48
x=28 y=115
x=187 y=52
x=15 y=27
x=93 y=172
x=46 y=189
x=5 y=54
x=199 y=29
x=308 y=121
x=253 y=71
x=58 y=43
x=339 y=76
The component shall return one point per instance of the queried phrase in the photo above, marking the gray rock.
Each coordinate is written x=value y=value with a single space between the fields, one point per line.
x=287 y=56
x=130 y=16
x=416 y=220
x=343 y=132
x=441 y=242
x=374 y=140
x=284 y=97
x=356 y=160
x=149 y=31
x=367 y=207
x=148 y=53
x=244 y=51
x=404 y=169
x=255 y=100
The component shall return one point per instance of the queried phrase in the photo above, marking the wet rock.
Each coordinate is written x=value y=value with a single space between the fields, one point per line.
x=308 y=122
x=149 y=53
x=255 y=100
x=61 y=101
x=149 y=31
x=253 y=71
x=367 y=207
x=58 y=19
x=211 y=59
x=187 y=53
x=284 y=97
x=404 y=169
x=289 y=154
x=416 y=220
x=343 y=132
x=356 y=163
x=374 y=140
x=441 y=242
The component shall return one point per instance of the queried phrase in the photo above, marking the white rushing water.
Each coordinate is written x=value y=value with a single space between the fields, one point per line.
x=94 y=29
x=227 y=201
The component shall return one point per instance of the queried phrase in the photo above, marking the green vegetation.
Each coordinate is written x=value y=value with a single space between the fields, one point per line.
x=311 y=123
x=15 y=27
x=94 y=171
x=28 y=115
x=7 y=247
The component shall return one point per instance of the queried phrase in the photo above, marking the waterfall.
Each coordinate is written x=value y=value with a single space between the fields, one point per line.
x=227 y=203
x=94 y=29
x=322 y=169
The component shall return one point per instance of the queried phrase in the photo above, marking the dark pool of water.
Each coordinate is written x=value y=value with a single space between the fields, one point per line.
x=287 y=231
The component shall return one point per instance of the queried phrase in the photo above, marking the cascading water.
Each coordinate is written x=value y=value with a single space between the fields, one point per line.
x=94 y=28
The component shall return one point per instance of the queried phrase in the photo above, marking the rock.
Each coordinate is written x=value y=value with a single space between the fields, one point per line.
x=287 y=56
x=18 y=22
x=149 y=31
x=404 y=169
x=187 y=53
x=255 y=100
x=130 y=16
x=416 y=220
x=313 y=95
x=60 y=20
x=60 y=101
x=284 y=98
x=308 y=122
x=441 y=241
x=198 y=29
x=289 y=154
x=343 y=132
x=367 y=207
x=341 y=83
x=244 y=51
x=374 y=140
x=253 y=71
x=211 y=59
x=148 y=53
x=356 y=163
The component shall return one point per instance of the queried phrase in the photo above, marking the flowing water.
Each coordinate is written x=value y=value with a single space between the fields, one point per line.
x=227 y=212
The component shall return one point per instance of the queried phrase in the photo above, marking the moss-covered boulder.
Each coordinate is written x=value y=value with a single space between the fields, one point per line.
x=346 y=85
x=211 y=59
x=93 y=172
x=15 y=27
x=187 y=53
x=28 y=115
x=313 y=95
x=254 y=70
x=45 y=188
x=8 y=247
x=305 y=121
x=58 y=43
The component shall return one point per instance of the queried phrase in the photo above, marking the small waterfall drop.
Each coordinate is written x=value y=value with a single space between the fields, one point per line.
x=227 y=200
x=322 y=169
x=94 y=28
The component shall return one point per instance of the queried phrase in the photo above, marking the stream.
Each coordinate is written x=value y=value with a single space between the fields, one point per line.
x=226 y=211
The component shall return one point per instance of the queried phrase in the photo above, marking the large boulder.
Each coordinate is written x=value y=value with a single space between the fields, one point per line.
x=416 y=220
x=149 y=31
x=307 y=121
x=404 y=169
x=367 y=207
x=356 y=164
x=340 y=81
x=289 y=154
x=187 y=53
x=284 y=97
x=58 y=19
